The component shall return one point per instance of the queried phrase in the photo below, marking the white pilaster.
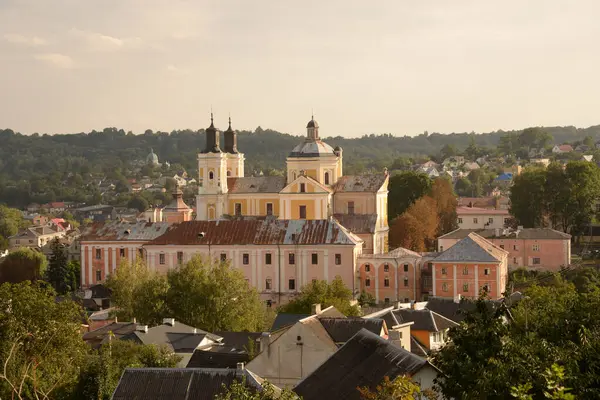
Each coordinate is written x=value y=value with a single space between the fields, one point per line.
x=105 y=262
x=433 y=278
x=326 y=265
x=477 y=280
x=281 y=277
x=90 y=262
x=114 y=260
x=454 y=277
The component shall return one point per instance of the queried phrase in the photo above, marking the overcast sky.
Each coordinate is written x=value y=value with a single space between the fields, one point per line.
x=397 y=66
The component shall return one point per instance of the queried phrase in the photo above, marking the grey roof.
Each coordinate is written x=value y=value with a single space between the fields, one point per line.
x=342 y=329
x=285 y=319
x=470 y=249
x=424 y=320
x=178 y=383
x=417 y=348
x=363 y=361
x=217 y=359
x=35 y=231
x=358 y=223
x=179 y=337
x=526 y=233
x=256 y=184
x=238 y=340
x=312 y=148
x=360 y=183
x=93 y=208
x=98 y=337
x=124 y=231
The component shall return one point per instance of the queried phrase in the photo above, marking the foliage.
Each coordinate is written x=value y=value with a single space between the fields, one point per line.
x=11 y=221
x=139 y=203
x=23 y=264
x=554 y=378
x=327 y=294
x=241 y=391
x=366 y=299
x=445 y=202
x=58 y=273
x=123 y=282
x=405 y=188
x=40 y=342
x=401 y=388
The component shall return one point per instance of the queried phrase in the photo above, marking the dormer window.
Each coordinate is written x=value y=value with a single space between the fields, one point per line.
x=303 y=188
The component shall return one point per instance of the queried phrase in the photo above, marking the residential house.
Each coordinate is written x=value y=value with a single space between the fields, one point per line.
x=489 y=202
x=542 y=249
x=235 y=348
x=504 y=180
x=541 y=161
x=582 y=148
x=536 y=152
x=398 y=330
x=471 y=265
x=428 y=328
x=33 y=208
x=35 y=237
x=365 y=360
x=181 y=383
x=482 y=218
x=453 y=162
x=55 y=207
x=470 y=166
x=97 y=213
x=563 y=148
x=587 y=157
x=289 y=355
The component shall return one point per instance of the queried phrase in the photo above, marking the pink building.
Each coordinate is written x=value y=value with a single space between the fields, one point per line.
x=482 y=218
x=471 y=265
x=542 y=249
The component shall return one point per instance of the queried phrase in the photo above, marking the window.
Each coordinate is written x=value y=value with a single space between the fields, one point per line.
x=292 y=258
x=141 y=253
x=515 y=247
x=536 y=247
x=506 y=221
x=211 y=175
x=465 y=287
x=245 y=258
x=294 y=237
x=444 y=287
x=314 y=280
x=302 y=212
x=268 y=258
x=386 y=282
x=405 y=282
x=514 y=260
x=338 y=259
x=536 y=260
x=269 y=208
x=269 y=303
x=486 y=271
x=386 y=268
x=98 y=254
x=502 y=246
x=490 y=220
x=441 y=248
x=292 y=284
x=475 y=220
x=386 y=300
x=268 y=284
x=486 y=287
x=98 y=275
x=303 y=188
x=121 y=252
x=367 y=268
x=367 y=282
x=228 y=172
x=465 y=270
x=180 y=257
x=315 y=259
x=223 y=257
x=405 y=267
x=351 y=207
x=238 y=209
x=460 y=221
x=17 y=241
x=327 y=178
x=161 y=259
x=444 y=271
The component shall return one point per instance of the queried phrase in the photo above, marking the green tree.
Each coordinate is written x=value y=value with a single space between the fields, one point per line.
x=400 y=388
x=57 y=272
x=446 y=203
x=73 y=278
x=589 y=141
x=239 y=390
x=139 y=203
x=327 y=294
x=40 y=342
x=23 y=264
x=123 y=282
x=150 y=299
x=448 y=150
x=405 y=188
x=534 y=138
x=528 y=198
x=472 y=151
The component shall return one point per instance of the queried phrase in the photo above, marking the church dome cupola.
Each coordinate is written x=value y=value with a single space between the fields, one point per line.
x=230 y=140
x=212 y=138
x=312 y=129
x=152 y=159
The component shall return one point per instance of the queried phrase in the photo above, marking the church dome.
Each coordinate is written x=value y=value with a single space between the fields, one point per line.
x=152 y=158
x=315 y=148
x=312 y=124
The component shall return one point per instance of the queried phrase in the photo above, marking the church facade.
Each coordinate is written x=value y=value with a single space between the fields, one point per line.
x=314 y=188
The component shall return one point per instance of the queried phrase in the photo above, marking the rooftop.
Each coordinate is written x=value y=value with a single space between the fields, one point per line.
x=312 y=148
x=473 y=248
x=342 y=329
x=424 y=320
x=256 y=184
x=526 y=233
x=480 y=211
x=358 y=223
x=179 y=337
x=360 y=183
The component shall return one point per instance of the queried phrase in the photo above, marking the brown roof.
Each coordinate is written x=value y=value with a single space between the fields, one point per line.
x=223 y=232
x=177 y=204
x=360 y=183
x=124 y=231
x=358 y=223
x=256 y=184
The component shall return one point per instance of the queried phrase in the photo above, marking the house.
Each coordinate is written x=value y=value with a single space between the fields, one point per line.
x=235 y=348
x=292 y=353
x=542 y=249
x=35 y=236
x=55 y=207
x=536 y=152
x=482 y=218
x=398 y=330
x=97 y=213
x=587 y=157
x=33 y=208
x=470 y=166
x=453 y=162
x=489 y=202
x=181 y=383
x=504 y=180
x=541 y=161
x=563 y=148
x=471 y=265
x=364 y=361
x=582 y=148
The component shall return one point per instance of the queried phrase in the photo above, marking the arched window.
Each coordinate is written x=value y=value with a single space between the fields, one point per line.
x=228 y=172
x=327 y=178
x=211 y=175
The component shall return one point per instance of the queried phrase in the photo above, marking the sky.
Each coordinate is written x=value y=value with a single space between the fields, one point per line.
x=362 y=67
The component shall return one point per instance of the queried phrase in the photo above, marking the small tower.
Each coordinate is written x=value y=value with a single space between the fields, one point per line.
x=235 y=159
x=312 y=130
x=230 y=140
x=177 y=210
x=212 y=138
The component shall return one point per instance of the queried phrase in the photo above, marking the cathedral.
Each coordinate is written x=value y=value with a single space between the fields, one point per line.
x=314 y=188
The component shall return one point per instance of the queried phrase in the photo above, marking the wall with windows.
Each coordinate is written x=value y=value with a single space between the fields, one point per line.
x=486 y=219
x=390 y=280
x=98 y=260
x=468 y=279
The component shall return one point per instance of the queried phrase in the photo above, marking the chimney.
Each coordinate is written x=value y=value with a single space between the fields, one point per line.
x=169 y=321
x=315 y=309
x=457 y=298
x=265 y=340
x=240 y=366
x=141 y=328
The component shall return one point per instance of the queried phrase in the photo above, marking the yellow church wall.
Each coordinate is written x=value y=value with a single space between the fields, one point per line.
x=364 y=202
x=243 y=202
x=312 y=173
x=309 y=186
x=262 y=206
x=310 y=208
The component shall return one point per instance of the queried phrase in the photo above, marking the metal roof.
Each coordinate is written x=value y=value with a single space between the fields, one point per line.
x=472 y=248
x=259 y=232
x=360 y=183
x=424 y=320
x=256 y=184
x=342 y=329
x=526 y=233
x=124 y=231
x=312 y=148
x=358 y=223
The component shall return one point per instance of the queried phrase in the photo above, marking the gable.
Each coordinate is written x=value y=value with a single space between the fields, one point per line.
x=310 y=185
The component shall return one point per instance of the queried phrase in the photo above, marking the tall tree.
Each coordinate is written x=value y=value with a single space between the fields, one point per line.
x=534 y=138
x=327 y=294
x=446 y=203
x=123 y=282
x=23 y=264
x=528 y=198
x=57 y=272
x=405 y=188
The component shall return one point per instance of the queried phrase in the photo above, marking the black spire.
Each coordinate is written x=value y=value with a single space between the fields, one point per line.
x=212 y=138
x=230 y=140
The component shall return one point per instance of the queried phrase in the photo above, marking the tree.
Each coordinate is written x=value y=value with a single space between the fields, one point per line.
x=23 y=264
x=448 y=150
x=326 y=294
x=150 y=299
x=123 y=283
x=464 y=188
x=416 y=229
x=528 y=198
x=472 y=151
x=400 y=388
x=405 y=188
x=58 y=273
x=139 y=203
x=11 y=221
x=73 y=277
x=241 y=391
x=40 y=342
x=446 y=203
x=534 y=138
